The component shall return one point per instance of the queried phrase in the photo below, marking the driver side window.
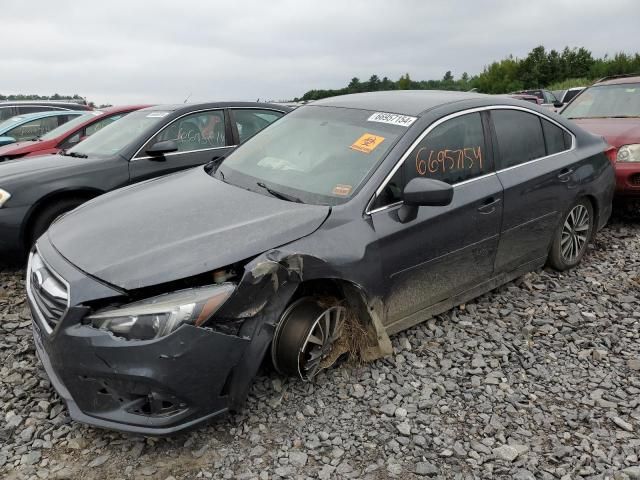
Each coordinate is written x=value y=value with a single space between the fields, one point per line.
x=452 y=152
x=193 y=132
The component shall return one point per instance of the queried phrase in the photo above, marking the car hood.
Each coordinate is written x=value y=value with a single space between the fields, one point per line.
x=176 y=227
x=19 y=147
x=32 y=167
x=616 y=131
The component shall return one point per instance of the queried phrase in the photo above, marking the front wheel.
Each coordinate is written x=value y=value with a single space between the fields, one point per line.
x=305 y=339
x=47 y=215
x=572 y=236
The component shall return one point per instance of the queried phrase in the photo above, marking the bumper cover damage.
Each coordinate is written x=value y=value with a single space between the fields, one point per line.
x=163 y=386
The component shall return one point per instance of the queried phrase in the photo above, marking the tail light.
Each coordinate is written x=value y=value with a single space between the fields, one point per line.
x=612 y=154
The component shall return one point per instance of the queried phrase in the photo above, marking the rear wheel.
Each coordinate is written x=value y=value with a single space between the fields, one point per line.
x=305 y=337
x=47 y=215
x=572 y=236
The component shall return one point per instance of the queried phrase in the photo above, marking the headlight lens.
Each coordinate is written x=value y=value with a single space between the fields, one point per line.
x=4 y=196
x=161 y=315
x=629 y=153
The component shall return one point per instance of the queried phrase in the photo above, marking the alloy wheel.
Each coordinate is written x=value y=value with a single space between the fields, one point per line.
x=305 y=337
x=575 y=233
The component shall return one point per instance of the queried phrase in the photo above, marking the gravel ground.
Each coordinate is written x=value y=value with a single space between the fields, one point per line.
x=538 y=379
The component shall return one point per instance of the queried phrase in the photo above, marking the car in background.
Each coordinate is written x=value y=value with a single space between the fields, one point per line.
x=32 y=126
x=68 y=134
x=565 y=96
x=525 y=97
x=348 y=220
x=545 y=97
x=10 y=108
x=144 y=144
x=611 y=108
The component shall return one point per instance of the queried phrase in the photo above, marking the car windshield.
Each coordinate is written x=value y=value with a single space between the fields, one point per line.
x=606 y=101
x=114 y=137
x=315 y=154
x=69 y=126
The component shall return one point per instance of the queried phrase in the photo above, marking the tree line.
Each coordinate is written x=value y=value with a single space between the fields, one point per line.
x=539 y=69
x=55 y=96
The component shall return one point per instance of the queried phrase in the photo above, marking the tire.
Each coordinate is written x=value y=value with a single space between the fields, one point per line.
x=45 y=217
x=305 y=336
x=572 y=236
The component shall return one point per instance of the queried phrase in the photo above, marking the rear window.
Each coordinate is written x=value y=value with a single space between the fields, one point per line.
x=556 y=139
x=519 y=135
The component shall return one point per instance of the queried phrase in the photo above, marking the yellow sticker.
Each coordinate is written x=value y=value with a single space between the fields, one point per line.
x=367 y=143
x=342 y=190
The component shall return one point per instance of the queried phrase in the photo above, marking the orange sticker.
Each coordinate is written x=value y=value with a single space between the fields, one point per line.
x=367 y=143
x=342 y=190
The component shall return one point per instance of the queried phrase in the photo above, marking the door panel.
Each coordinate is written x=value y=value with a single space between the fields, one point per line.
x=536 y=190
x=143 y=168
x=444 y=251
x=535 y=195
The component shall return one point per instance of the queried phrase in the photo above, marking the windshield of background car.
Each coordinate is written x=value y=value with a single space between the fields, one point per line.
x=601 y=101
x=114 y=137
x=12 y=122
x=70 y=126
x=320 y=155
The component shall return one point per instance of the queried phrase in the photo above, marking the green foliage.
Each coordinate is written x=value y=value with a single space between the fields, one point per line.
x=552 y=69
x=55 y=96
x=570 y=83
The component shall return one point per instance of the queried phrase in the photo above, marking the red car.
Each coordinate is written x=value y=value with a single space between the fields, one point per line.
x=611 y=108
x=68 y=134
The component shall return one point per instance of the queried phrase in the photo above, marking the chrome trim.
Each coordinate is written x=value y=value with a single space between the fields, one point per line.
x=133 y=157
x=458 y=114
x=41 y=319
x=186 y=151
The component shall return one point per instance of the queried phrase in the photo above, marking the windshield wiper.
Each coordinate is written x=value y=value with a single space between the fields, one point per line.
x=280 y=195
x=76 y=155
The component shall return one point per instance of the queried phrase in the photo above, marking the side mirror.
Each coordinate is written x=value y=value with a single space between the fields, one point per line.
x=558 y=104
x=6 y=140
x=427 y=192
x=160 y=148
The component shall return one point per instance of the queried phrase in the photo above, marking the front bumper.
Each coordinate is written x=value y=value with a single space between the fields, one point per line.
x=150 y=388
x=155 y=387
x=628 y=179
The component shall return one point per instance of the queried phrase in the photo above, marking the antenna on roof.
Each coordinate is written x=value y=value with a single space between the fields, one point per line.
x=188 y=96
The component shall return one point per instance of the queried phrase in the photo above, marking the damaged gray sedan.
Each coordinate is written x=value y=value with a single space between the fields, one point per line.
x=346 y=221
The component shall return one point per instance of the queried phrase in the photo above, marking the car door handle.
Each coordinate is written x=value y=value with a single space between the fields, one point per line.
x=565 y=174
x=489 y=206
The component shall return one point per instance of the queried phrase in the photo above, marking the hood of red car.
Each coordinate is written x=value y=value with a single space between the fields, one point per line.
x=20 y=148
x=616 y=131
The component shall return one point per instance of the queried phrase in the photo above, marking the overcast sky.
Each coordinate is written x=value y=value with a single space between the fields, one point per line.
x=119 y=51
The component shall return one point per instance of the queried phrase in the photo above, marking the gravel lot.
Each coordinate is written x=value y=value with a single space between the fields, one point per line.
x=538 y=379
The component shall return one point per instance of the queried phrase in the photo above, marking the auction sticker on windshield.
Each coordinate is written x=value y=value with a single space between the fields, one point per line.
x=367 y=143
x=392 y=118
x=342 y=190
x=157 y=114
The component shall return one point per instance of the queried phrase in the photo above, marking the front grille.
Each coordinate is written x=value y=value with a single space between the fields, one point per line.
x=635 y=179
x=48 y=293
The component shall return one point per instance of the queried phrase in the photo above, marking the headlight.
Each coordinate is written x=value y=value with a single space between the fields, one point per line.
x=4 y=196
x=159 y=316
x=629 y=153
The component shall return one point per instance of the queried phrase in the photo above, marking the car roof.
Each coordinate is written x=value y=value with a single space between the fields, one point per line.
x=123 y=108
x=405 y=102
x=188 y=107
x=619 y=80
x=52 y=113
